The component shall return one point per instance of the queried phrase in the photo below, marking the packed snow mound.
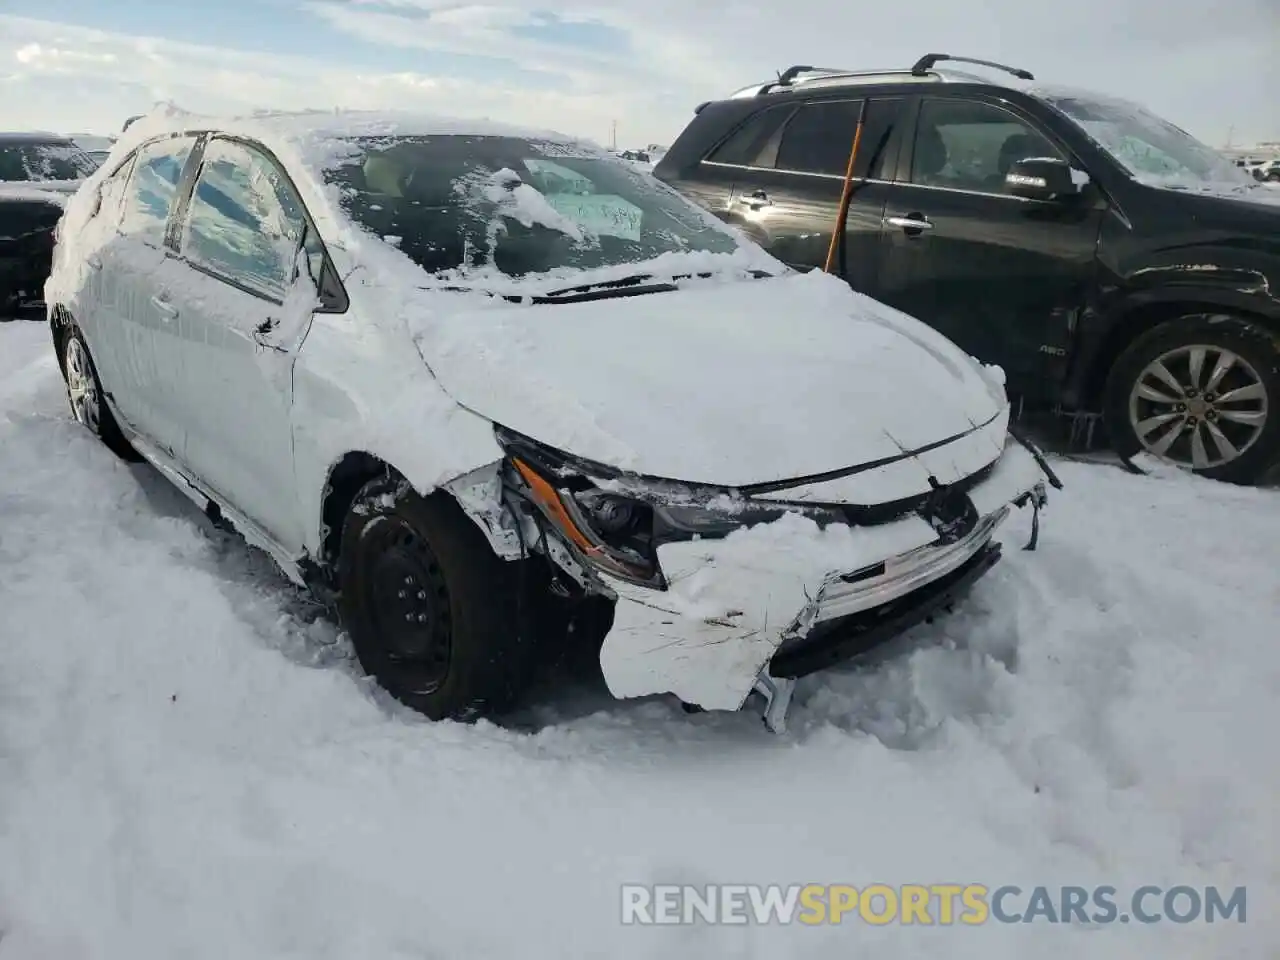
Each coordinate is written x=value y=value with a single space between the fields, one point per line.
x=191 y=766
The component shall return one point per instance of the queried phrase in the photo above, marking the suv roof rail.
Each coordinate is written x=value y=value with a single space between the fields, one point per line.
x=794 y=75
x=929 y=60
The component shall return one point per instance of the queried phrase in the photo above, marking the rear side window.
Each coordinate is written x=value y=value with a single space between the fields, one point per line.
x=819 y=137
x=113 y=192
x=157 y=172
x=244 y=223
x=745 y=145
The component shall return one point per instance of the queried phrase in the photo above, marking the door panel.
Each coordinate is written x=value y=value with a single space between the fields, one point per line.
x=790 y=199
x=129 y=319
x=239 y=245
x=1003 y=277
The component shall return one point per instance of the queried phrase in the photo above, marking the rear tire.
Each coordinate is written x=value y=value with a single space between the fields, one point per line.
x=1203 y=387
x=85 y=394
x=440 y=621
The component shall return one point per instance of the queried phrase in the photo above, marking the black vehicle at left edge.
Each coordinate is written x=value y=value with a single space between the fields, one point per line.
x=1113 y=265
x=37 y=174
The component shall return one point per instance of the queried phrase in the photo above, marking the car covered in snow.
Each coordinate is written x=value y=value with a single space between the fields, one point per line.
x=37 y=173
x=499 y=395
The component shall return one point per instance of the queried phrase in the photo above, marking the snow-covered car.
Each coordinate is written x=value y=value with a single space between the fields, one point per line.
x=496 y=393
x=38 y=171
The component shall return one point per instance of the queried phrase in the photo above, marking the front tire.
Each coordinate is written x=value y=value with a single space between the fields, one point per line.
x=434 y=615
x=1201 y=391
x=85 y=394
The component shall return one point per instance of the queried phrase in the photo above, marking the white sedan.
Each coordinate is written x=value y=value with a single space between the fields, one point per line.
x=500 y=395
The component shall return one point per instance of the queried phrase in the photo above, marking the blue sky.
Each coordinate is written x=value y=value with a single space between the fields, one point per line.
x=287 y=27
x=580 y=65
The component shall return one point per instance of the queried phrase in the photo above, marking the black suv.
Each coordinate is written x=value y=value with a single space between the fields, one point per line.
x=1107 y=260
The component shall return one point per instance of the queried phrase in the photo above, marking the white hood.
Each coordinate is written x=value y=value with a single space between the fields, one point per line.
x=725 y=383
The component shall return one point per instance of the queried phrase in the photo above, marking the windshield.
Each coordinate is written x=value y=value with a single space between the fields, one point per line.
x=28 y=160
x=463 y=206
x=1151 y=149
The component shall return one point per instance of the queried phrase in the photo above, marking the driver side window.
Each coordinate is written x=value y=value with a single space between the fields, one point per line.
x=966 y=145
x=245 y=224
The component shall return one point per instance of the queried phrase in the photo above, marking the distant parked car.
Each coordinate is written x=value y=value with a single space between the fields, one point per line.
x=498 y=396
x=37 y=173
x=1105 y=258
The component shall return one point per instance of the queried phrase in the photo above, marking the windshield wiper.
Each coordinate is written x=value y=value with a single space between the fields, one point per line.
x=633 y=285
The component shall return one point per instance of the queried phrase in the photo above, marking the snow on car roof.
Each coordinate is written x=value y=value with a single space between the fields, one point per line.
x=307 y=127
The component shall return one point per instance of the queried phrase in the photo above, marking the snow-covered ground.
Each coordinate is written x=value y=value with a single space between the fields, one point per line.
x=191 y=767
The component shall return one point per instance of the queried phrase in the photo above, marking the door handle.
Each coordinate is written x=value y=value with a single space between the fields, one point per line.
x=756 y=199
x=166 y=309
x=911 y=224
x=94 y=261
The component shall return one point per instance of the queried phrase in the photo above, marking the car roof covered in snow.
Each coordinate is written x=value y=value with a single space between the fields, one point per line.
x=307 y=129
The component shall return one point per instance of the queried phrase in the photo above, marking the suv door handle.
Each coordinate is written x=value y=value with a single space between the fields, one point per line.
x=94 y=261
x=912 y=223
x=166 y=309
x=756 y=199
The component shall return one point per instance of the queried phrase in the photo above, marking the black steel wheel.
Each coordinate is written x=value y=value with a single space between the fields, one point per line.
x=439 y=620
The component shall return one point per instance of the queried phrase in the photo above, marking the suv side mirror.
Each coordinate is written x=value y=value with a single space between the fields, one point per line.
x=1041 y=178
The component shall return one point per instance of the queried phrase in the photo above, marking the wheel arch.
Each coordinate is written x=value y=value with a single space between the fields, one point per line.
x=60 y=321
x=348 y=475
x=1138 y=318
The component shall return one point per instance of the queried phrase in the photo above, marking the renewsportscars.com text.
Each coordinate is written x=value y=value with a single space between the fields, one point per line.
x=972 y=904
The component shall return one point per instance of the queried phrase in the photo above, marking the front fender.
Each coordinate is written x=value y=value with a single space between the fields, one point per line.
x=354 y=393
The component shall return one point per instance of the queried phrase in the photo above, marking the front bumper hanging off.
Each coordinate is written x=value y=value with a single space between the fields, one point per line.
x=752 y=613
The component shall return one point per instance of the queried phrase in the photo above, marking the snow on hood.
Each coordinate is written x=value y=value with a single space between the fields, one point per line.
x=719 y=383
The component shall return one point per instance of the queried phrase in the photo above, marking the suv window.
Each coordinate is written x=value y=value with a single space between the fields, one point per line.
x=157 y=171
x=245 y=223
x=745 y=145
x=819 y=137
x=966 y=145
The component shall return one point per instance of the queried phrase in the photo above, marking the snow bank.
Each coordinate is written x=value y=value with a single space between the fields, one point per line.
x=190 y=767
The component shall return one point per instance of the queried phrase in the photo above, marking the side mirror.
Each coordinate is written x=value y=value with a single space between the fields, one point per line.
x=1041 y=178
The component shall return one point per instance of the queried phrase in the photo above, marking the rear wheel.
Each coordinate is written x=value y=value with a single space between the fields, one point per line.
x=84 y=394
x=1202 y=392
x=438 y=619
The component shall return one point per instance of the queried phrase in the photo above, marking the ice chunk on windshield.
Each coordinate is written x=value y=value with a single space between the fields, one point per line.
x=514 y=198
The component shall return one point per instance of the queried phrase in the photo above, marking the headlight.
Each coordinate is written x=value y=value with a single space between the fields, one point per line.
x=610 y=531
x=619 y=531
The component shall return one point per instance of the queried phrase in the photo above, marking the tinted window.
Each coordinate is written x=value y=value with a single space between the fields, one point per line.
x=26 y=160
x=244 y=222
x=971 y=146
x=744 y=145
x=819 y=137
x=484 y=205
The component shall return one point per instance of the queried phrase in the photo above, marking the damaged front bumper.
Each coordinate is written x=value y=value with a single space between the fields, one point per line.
x=749 y=606
x=755 y=610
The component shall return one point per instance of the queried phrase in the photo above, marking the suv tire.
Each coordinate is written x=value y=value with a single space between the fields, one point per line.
x=435 y=616
x=1241 y=407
